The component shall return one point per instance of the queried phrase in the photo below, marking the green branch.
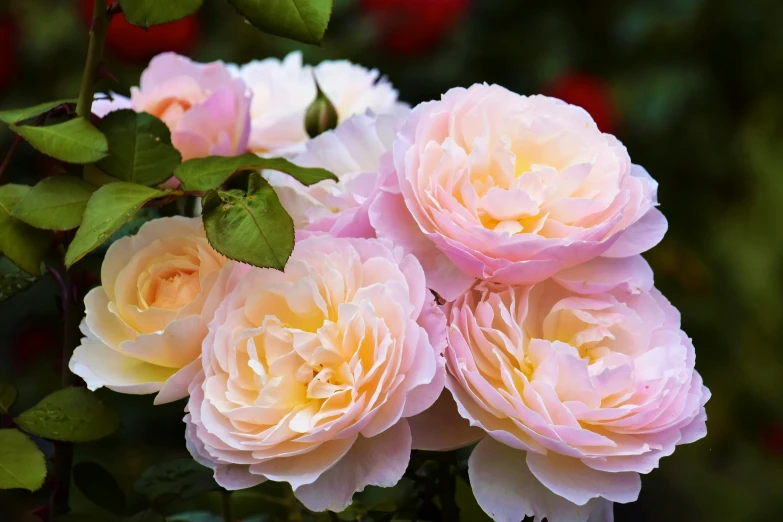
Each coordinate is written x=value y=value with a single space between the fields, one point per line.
x=98 y=31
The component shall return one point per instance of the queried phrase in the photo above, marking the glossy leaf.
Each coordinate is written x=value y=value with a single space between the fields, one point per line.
x=70 y=415
x=182 y=478
x=21 y=243
x=251 y=227
x=73 y=141
x=146 y=13
x=55 y=203
x=12 y=116
x=13 y=279
x=202 y=174
x=107 y=210
x=8 y=396
x=22 y=465
x=301 y=20
x=99 y=486
x=140 y=149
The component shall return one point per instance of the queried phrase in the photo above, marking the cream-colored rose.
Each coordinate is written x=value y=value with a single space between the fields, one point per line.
x=144 y=326
x=283 y=89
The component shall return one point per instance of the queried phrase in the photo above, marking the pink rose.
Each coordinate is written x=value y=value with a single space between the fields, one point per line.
x=579 y=392
x=204 y=106
x=309 y=375
x=512 y=189
x=353 y=152
x=145 y=324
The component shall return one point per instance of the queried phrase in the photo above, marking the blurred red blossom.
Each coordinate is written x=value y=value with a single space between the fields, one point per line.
x=412 y=26
x=134 y=44
x=588 y=92
x=8 y=51
x=37 y=340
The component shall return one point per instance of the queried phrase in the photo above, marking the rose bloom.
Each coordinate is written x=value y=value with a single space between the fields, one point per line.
x=512 y=189
x=310 y=374
x=145 y=324
x=582 y=382
x=204 y=106
x=352 y=152
x=282 y=91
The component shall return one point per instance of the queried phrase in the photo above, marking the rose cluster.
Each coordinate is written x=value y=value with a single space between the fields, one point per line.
x=473 y=276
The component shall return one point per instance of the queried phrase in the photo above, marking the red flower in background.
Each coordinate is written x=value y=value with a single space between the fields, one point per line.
x=411 y=26
x=587 y=92
x=135 y=44
x=38 y=340
x=8 y=59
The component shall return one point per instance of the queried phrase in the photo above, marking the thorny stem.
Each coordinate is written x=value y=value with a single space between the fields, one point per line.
x=71 y=302
x=98 y=31
x=72 y=313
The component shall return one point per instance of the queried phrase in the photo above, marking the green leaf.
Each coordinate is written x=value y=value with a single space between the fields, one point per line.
x=13 y=116
x=107 y=210
x=21 y=243
x=22 y=464
x=95 y=176
x=203 y=174
x=301 y=20
x=99 y=486
x=73 y=141
x=251 y=227
x=140 y=148
x=13 y=279
x=182 y=478
x=145 y=13
x=70 y=415
x=469 y=509
x=55 y=203
x=8 y=396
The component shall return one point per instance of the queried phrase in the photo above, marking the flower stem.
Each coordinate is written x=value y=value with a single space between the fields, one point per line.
x=11 y=151
x=98 y=31
x=228 y=515
x=72 y=314
x=294 y=510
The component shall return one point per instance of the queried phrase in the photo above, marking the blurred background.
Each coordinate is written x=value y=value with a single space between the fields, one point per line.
x=693 y=88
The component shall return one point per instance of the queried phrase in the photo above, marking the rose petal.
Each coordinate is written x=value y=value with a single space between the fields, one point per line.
x=571 y=479
x=507 y=491
x=377 y=461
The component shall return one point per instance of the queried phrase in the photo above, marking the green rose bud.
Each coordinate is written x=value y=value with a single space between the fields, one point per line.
x=321 y=115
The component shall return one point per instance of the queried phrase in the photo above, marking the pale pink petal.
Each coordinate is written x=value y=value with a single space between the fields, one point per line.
x=641 y=236
x=304 y=469
x=603 y=274
x=507 y=491
x=571 y=479
x=176 y=386
x=391 y=219
x=441 y=428
x=377 y=461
